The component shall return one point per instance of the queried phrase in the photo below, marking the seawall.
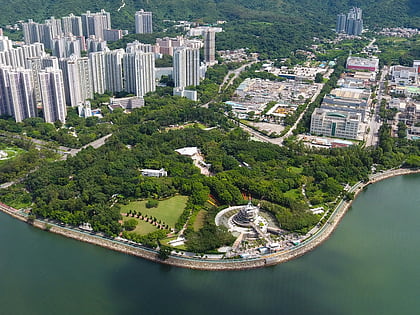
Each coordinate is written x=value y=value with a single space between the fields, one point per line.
x=206 y=264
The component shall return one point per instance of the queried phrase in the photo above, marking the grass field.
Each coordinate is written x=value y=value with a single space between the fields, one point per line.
x=167 y=211
x=294 y=193
x=199 y=220
x=142 y=227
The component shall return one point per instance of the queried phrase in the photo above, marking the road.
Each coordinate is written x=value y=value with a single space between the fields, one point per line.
x=95 y=144
x=236 y=73
x=64 y=151
x=372 y=138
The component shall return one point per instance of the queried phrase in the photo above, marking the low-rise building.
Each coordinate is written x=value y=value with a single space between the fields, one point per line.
x=335 y=124
x=154 y=173
x=366 y=64
x=404 y=75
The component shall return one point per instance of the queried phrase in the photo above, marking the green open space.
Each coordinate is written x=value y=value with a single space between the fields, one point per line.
x=142 y=227
x=199 y=220
x=12 y=152
x=294 y=193
x=167 y=211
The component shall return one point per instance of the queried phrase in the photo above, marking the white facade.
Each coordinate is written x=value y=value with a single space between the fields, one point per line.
x=186 y=67
x=335 y=124
x=72 y=25
x=404 y=75
x=143 y=20
x=139 y=73
x=79 y=80
x=113 y=61
x=52 y=95
x=96 y=23
x=17 y=96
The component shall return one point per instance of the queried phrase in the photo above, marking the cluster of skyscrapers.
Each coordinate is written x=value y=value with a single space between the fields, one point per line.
x=31 y=79
x=350 y=24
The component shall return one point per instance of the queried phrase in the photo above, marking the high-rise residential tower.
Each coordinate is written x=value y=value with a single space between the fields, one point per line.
x=17 y=93
x=139 y=72
x=186 y=67
x=77 y=80
x=96 y=23
x=210 y=46
x=143 y=22
x=52 y=95
x=351 y=24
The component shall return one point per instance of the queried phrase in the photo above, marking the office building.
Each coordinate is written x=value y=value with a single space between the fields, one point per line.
x=186 y=67
x=139 y=72
x=52 y=95
x=335 y=124
x=143 y=22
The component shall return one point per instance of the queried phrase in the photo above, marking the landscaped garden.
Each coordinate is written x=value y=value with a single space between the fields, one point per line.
x=167 y=211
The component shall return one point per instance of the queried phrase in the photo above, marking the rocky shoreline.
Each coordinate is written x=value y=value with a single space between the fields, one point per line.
x=206 y=264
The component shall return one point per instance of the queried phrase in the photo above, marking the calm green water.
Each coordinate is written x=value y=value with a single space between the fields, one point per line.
x=371 y=265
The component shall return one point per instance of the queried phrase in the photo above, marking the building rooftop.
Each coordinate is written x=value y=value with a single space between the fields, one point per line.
x=362 y=62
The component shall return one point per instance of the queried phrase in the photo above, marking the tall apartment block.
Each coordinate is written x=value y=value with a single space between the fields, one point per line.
x=78 y=85
x=36 y=65
x=113 y=61
x=143 y=22
x=16 y=57
x=210 y=46
x=351 y=24
x=52 y=95
x=97 y=65
x=17 y=93
x=139 y=72
x=186 y=67
x=96 y=23
x=72 y=25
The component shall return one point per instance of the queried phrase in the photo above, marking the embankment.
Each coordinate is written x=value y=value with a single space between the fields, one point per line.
x=206 y=264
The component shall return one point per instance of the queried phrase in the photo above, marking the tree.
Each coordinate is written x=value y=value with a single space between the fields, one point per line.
x=164 y=252
x=319 y=78
x=130 y=224
x=152 y=203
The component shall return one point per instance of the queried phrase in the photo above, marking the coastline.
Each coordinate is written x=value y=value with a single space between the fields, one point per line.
x=206 y=264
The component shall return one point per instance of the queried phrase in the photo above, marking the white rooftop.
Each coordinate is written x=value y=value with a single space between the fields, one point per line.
x=189 y=151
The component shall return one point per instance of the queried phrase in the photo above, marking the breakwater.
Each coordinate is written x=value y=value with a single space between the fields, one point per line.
x=207 y=264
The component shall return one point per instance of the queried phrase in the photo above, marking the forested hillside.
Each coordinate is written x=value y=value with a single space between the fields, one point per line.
x=376 y=12
x=274 y=28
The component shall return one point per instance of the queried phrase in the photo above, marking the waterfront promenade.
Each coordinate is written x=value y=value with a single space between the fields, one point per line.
x=208 y=264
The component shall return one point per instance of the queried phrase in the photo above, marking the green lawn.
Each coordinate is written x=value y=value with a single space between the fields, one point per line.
x=142 y=227
x=199 y=220
x=167 y=211
x=294 y=193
